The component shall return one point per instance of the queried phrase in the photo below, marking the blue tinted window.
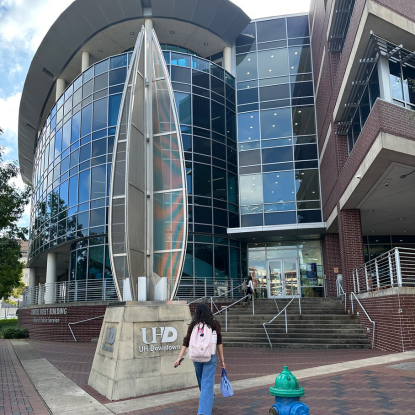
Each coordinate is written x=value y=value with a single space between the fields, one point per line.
x=277 y=155
x=76 y=127
x=217 y=86
x=279 y=187
x=251 y=220
x=114 y=109
x=300 y=59
x=202 y=179
x=218 y=118
x=83 y=220
x=280 y=218
x=99 y=147
x=201 y=112
x=66 y=137
x=271 y=30
x=230 y=124
x=200 y=64
x=98 y=185
x=88 y=74
x=97 y=217
x=63 y=195
x=307 y=216
x=96 y=262
x=118 y=76
x=85 y=153
x=118 y=61
x=248 y=127
x=100 y=114
x=101 y=67
x=246 y=67
x=74 y=158
x=269 y=93
x=58 y=142
x=86 y=120
x=246 y=96
x=180 y=74
x=200 y=79
x=276 y=123
x=73 y=191
x=84 y=186
x=305 y=152
x=64 y=165
x=297 y=26
x=183 y=105
x=180 y=60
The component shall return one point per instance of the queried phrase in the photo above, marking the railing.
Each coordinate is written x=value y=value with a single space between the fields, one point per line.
x=71 y=291
x=197 y=289
x=367 y=315
x=340 y=292
x=395 y=268
x=285 y=312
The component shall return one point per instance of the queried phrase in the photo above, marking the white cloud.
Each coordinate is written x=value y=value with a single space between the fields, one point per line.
x=9 y=113
x=266 y=8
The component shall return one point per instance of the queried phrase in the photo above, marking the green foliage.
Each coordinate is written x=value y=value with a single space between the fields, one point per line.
x=15 y=332
x=11 y=268
x=7 y=322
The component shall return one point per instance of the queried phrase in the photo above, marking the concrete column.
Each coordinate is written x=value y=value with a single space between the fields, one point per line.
x=227 y=59
x=50 y=278
x=384 y=79
x=60 y=87
x=148 y=24
x=40 y=294
x=32 y=285
x=351 y=245
x=85 y=61
x=332 y=262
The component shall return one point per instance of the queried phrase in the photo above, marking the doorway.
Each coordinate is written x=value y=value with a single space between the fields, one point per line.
x=282 y=278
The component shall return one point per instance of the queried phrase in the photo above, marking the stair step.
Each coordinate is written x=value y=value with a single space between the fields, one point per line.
x=299 y=345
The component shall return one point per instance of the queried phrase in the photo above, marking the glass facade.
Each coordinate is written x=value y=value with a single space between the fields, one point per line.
x=73 y=160
x=277 y=146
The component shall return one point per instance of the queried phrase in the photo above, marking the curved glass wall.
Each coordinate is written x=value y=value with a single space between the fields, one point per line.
x=277 y=146
x=73 y=160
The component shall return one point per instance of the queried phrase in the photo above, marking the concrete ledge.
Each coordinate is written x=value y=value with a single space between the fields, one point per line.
x=387 y=292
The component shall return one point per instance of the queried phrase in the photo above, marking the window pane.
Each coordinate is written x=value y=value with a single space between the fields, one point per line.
x=66 y=137
x=73 y=191
x=251 y=189
x=374 y=86
x=303 y=120
x=217 y=85
x=409 y=83
x=114 y=108
x=300 y=59
x=85 y=153
x=200 y=79
x=179 y=74
x=201 y=145
x=81 y=264
x=248 y=126
x=96 y=262
x=232 y=188
x=201 y=112
x=219 y=183
x=249 y=158
x=100 y=114
x=63 y=196
x=364 y=107
x=221 y=263
x=276 y=123
x=307 y=185
x=305 y=152
x=204 y=262
x=84 y=186
x=97 y=217
x=245 y=96
x=188 y=263
x=86 y=120
x=118 y=76
x=180 y=60
x=218 y=118
x=271 y=30
x=251 y=220
x=307 y=216
x=396 y=81
x=275 y=92
x=202 y=179
x=246 y=67
x=277 y=155
x=99 y=147
x=183 y=105
x=279 y=187
x=297 y=26
x=280 y=218
x=76 y=127
x=98 y=185
x=101 y=81
x=272 y=63
x=218 y=150
x=302 y=89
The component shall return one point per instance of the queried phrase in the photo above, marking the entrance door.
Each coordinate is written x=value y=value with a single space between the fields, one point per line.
x=282 y=278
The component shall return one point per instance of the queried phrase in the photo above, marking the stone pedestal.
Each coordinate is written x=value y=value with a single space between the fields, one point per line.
x=137 y=347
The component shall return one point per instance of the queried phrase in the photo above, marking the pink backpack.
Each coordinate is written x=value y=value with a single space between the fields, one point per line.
x=200 y=345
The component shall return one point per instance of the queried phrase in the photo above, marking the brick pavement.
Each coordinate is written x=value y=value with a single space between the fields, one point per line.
x=17 y=395
x=379 y=390
x=75 y=360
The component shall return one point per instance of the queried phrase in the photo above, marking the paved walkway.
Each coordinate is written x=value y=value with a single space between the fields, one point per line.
x=17 y=395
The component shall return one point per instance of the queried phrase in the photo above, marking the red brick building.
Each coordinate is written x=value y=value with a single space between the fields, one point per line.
x=364 y=71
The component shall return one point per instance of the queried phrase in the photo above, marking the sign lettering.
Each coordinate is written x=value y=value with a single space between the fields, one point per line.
x=109 y=339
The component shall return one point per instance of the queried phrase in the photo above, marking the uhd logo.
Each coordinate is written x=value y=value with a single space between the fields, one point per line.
x=166 y=334
x=109 y=338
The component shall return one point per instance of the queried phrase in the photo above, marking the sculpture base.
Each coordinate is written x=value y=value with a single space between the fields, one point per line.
x=137 y=347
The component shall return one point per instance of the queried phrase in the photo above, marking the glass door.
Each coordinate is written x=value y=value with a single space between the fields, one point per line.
x=283 y=278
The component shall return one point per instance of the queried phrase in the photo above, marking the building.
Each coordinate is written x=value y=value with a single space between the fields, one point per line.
x=364 y=71
x=297 y=137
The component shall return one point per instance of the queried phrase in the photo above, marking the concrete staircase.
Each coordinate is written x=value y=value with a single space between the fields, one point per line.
x=323 y=324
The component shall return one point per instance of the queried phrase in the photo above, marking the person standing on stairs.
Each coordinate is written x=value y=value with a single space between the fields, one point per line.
x=249 y=292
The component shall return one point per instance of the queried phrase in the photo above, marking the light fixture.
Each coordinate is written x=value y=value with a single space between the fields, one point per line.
x=252 y=116
x=270 y=70
x=100 y=50
x=299 y=112
x=206 y=43
x=292 y=67
x=373 y=231
x=400 y=218
x=276 y=182
x=131 y=33
x=247 y=73
x=273 y=125
x=370 y=211
x=172 y=32
x=295 y=53
x=248 y=86
x=249 y=59
x=404 y=231
x=400 y=240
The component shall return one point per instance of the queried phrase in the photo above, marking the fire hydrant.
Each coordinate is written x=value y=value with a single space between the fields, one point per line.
x=287 y=394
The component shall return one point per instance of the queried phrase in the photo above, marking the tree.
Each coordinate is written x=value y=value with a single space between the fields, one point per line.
x=12 y=204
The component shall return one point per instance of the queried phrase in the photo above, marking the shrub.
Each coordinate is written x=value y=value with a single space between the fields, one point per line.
x=15 y=332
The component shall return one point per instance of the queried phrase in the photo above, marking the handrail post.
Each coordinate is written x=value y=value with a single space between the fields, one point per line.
x=211 y=304
x=398 y=267
x=377 y=273
x=357 y=281
x=76 y=290
x=299 y=302
x=206 y=289
x=286 y=324
x=367 y=279
x=253 y=304
x=226 y=319
x=54 y=292
x=104 y=287
x=390 y=268
x=351 y=299
x=354 y=282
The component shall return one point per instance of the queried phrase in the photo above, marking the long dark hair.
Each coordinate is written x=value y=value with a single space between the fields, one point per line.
x=203 y=315
x=249 y=278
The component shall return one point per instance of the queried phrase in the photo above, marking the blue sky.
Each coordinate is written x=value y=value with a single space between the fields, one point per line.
x=23 y=24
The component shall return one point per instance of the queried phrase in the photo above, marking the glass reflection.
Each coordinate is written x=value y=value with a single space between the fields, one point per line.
x=248 y=127
x=251 y=189
x=276 y=123
x=246 y=67
x=272 y=63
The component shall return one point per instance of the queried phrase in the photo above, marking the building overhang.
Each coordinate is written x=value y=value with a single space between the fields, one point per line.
x=278 y=233
x=384 y=23
x=86 y=24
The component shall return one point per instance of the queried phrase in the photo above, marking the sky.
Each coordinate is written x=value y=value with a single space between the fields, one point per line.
x=24 y=23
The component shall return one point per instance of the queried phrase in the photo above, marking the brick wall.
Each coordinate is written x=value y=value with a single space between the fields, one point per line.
x=41 y=329
x=395 y=330
x=332 y=260
x=351 y=244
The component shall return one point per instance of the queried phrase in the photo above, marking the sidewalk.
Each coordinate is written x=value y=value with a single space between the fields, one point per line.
x=17 y=395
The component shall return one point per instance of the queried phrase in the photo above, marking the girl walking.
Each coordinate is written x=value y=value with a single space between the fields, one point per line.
x=205 y=371
x=249 y=291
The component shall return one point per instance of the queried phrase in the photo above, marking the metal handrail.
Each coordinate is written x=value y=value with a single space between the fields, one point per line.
x=367 y=315
x=218 y=296
x=82 y=321
x=231 y=305
x=215 y=296
x=340 y=286
x=285 y=310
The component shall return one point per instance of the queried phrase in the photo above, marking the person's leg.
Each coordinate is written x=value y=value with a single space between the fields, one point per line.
x=199 y=370
x=207 y=389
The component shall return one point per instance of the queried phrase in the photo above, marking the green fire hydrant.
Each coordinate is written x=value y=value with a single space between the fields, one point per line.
x=287 y=394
